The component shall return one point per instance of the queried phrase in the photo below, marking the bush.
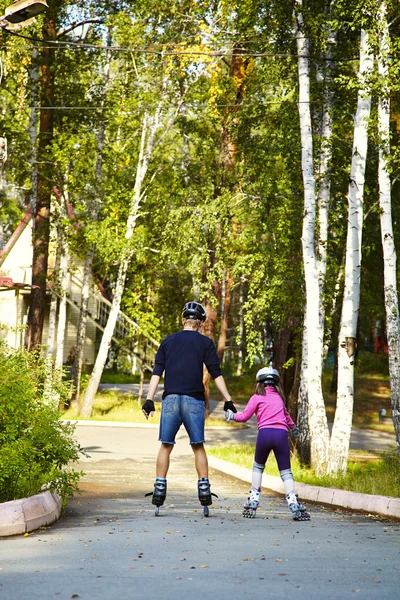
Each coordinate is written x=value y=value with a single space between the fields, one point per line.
x=368 y=362
x=35 y=446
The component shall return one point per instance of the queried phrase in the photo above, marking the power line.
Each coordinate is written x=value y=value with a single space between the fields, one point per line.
x=167 y=107
x=55 y=44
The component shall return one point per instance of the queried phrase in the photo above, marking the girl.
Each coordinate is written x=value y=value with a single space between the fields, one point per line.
x=274 y=422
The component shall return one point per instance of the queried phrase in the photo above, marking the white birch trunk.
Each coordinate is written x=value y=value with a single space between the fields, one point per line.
x=81 y=332
x=388 y=245
x=62 y=310
x=241 y=330
x=340 y=439
x=51 y=335
x=316 y=409
x=146 y=149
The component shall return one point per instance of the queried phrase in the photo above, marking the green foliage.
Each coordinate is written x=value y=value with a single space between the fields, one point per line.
x=36 y=448
x=368 y=362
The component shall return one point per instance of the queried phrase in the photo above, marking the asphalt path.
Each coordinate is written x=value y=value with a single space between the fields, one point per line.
x=110 y=544
x=360 y=439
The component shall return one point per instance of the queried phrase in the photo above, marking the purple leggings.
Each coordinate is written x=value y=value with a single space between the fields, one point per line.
x=273 y=439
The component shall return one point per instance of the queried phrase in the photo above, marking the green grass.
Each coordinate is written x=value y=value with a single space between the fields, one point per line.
x=119 y=378
x=115 y=406
x=372 y=392
x=380 y=476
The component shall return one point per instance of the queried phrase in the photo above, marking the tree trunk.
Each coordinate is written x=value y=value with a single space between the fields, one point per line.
x=286 y=364
x=304 y=445
x=41 y=214
x=316 y=409
x=239 y=367
x=62 y=311
x=340 y=439
x=146 y=149
x=33 y=127
x=51 y=335
x=389 y=249
x=77 y=365
x=210 y=330
x=226 y=305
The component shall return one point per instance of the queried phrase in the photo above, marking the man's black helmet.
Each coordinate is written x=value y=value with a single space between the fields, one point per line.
x=194 y=310
x=268 y=376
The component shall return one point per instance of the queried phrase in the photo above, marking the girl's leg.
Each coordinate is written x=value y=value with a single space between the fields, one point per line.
x=260 y=458
x=282 y=455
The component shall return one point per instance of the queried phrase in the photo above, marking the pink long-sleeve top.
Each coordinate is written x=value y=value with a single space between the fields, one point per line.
x=270 y=411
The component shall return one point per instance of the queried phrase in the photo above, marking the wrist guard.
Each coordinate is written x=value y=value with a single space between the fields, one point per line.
x=230 y=406
x=148 y=407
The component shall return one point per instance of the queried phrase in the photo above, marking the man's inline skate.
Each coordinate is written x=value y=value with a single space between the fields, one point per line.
x=205 y=494
x=159 y=494
x=298 y=510
x=250 y=507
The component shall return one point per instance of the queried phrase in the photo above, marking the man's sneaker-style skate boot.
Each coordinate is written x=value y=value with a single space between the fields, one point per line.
x=298 y=510
x=250 y=507
x=205 y=494
x=159 y=494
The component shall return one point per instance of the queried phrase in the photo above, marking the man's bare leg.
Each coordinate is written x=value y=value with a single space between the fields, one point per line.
x=162 y=464
x=200 y=460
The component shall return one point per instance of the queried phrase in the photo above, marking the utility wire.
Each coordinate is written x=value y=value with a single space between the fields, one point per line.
x=149 y=107
x=78 y=45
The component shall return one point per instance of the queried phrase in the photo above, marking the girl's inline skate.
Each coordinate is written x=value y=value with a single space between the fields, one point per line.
x=298 y=510
x=250 y=507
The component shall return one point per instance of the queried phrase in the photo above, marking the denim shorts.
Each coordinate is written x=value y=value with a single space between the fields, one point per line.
x=179 y=409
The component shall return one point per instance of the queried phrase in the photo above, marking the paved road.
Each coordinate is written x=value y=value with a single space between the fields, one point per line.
x=361 y=439
x=110 y=544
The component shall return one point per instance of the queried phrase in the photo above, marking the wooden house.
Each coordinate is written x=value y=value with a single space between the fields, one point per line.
x=15 y=291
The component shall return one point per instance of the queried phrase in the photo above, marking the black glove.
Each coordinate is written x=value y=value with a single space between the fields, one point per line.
x=148 y=407
x=230 y=406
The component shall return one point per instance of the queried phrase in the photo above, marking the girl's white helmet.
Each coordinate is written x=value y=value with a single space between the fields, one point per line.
x=268 y=376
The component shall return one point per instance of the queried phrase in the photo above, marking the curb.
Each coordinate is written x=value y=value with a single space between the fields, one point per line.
x=383 y=505
x=27 y=514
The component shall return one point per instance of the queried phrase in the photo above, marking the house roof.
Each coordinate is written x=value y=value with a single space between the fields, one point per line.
x=6 y=283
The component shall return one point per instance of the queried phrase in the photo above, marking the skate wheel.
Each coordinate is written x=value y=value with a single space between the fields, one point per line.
x=156 y=511
x=206 y=511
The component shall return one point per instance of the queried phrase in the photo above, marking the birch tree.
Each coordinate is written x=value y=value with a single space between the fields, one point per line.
x=313 y=331
x=340 y=439
x=387 y=234
x=149 y=129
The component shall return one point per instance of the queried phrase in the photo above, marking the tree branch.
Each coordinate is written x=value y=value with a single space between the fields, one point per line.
x=75 y=25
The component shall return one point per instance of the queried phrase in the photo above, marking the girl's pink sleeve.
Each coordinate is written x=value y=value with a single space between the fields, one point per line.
x=247 y=412
x=289 y=420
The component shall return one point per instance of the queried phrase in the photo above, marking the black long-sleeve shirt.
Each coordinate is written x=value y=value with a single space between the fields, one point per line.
x=182 y=355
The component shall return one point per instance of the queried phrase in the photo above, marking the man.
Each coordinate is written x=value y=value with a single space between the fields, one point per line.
x=182 y=355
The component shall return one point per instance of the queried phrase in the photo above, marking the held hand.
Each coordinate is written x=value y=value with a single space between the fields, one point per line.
x=295 y=431
x=230 y=406
x=229 y=416
x=148 y=408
